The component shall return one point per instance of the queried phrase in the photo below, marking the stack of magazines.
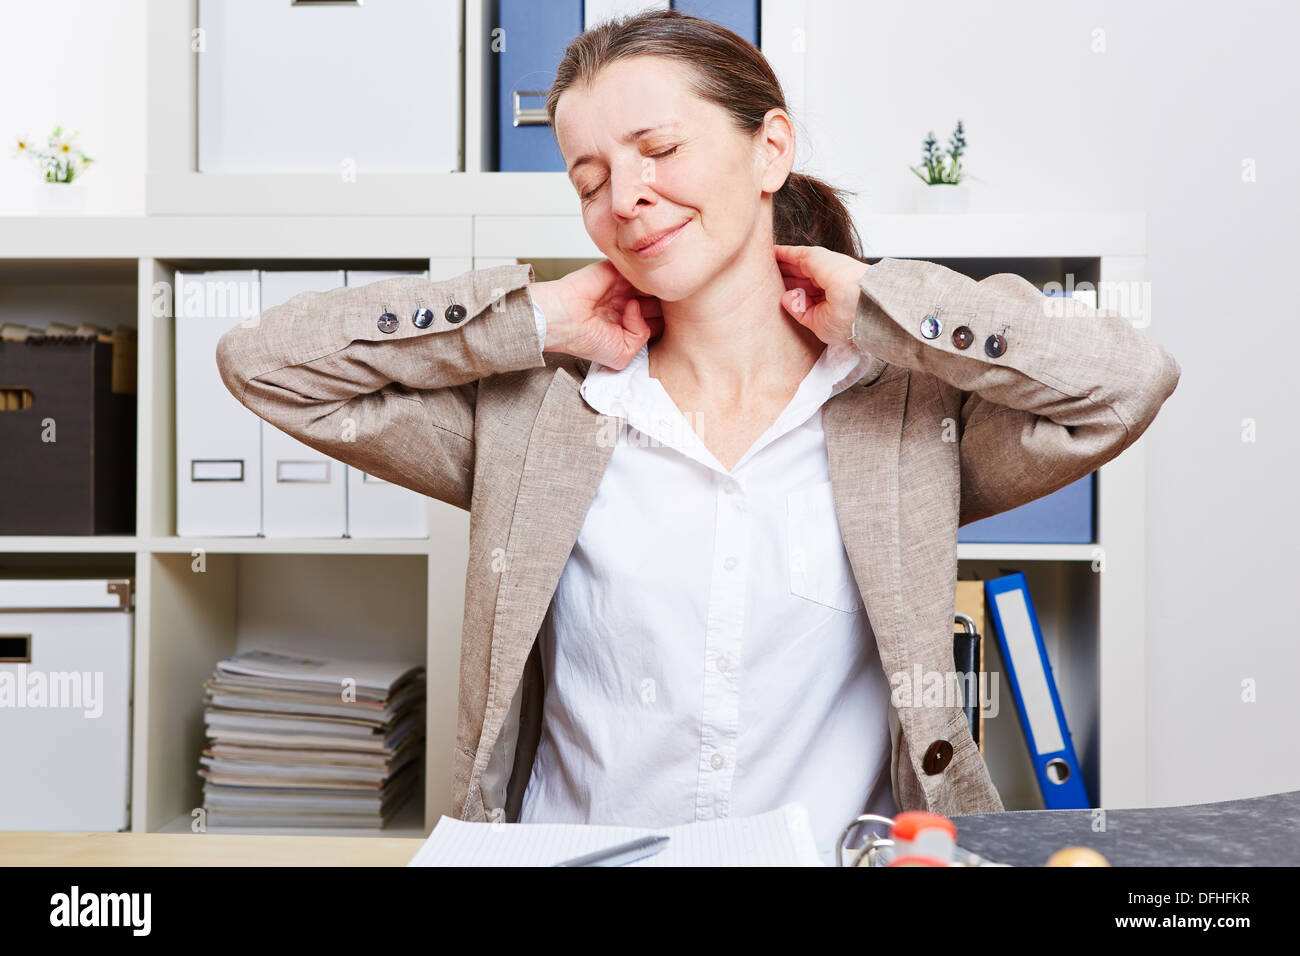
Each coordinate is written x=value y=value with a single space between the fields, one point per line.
x=311 y=741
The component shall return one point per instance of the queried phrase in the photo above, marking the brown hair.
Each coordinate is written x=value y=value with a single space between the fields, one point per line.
x=728 y=70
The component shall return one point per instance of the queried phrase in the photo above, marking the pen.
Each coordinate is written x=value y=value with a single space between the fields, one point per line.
x=618 y=855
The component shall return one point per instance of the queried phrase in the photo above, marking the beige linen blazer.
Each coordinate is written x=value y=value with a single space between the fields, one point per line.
x=468 y=410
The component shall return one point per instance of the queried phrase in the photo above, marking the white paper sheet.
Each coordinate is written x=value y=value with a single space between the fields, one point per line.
x=780 y=837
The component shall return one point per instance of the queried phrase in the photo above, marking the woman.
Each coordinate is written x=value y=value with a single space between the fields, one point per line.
x=714 y=479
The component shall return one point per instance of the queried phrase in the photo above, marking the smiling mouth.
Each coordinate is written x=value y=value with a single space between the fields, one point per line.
x=659 y=242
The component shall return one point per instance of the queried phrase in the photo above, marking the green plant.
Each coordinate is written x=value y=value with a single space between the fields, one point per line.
x=939 y=169
x=61 y=162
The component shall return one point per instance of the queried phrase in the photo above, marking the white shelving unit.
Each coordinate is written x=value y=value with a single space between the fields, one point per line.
x=176 y=187
x=340 y=594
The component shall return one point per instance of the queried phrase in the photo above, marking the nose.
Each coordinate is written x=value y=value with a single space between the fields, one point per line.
x=630 y=182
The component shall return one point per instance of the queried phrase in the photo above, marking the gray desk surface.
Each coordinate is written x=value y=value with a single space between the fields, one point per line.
x=1256 y=831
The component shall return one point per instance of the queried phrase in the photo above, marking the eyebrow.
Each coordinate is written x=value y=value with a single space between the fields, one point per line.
x=625 y=138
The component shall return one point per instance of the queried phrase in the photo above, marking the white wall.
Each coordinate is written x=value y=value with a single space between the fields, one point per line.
x=1160 y=121
x=79 y=64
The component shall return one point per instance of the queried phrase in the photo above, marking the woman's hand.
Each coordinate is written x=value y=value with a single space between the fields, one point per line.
x=821 y=290
x=595 y=313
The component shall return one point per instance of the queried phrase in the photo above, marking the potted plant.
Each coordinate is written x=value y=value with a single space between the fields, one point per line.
x=942 y=175
x=61 y=162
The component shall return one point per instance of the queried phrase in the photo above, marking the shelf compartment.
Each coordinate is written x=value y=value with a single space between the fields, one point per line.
x=202 y=610
x=1066 y=597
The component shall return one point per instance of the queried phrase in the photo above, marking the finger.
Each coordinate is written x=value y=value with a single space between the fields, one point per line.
x=617 y=293
x=790 y=303
x=796 y=282
x=790 y=269
x=788 y=251
x=614 y=281
x=795 y=258
x=651 y=306
x=633 y=321
x=795 y=301
x=626 y=287
x=620 y=285
x=800 y=301
x=810 y=262
x=810 y=297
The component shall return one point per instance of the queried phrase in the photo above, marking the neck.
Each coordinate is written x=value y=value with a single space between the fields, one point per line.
x=733 y=338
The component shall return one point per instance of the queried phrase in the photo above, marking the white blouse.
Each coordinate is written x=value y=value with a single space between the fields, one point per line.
x=707 y=652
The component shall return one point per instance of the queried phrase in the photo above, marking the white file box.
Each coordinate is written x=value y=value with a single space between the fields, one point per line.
x=218 y=440
x=380 y=509
x=366 y=276
x=377 y=508
x=65 y=704
x=342 y=88
x=304 y=493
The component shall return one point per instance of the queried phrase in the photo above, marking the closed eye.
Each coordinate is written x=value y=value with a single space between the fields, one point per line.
x=668 y=152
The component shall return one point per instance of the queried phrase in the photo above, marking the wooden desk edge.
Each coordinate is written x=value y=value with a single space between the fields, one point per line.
x=58 y=848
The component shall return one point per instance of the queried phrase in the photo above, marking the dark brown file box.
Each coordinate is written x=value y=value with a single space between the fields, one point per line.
x=82 y=482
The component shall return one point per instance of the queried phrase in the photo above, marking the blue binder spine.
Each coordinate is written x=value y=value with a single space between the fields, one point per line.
x=535 y=36
x=738 y=16
x=1029 y=673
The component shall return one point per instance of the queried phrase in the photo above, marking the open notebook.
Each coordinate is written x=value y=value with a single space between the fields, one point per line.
x=780 y=837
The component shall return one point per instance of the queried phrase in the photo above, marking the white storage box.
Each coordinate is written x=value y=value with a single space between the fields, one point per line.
x=376 y=508
x=218 y=440
x=342 y=88
x=65 y=704
x=304 y=493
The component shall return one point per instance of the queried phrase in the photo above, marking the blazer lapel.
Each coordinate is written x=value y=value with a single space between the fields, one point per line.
x=568 y=452
x=863 y=427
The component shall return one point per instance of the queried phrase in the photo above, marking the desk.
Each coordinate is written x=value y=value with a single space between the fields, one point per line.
x=1255 y=831
x=49 y=848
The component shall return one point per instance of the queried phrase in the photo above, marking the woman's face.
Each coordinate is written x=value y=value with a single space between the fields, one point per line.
x=645 y=156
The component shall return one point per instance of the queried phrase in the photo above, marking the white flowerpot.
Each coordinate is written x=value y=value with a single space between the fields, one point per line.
x=942 y=198
x=60 y=199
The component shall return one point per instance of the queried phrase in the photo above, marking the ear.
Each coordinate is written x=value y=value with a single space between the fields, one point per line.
x=776 y=147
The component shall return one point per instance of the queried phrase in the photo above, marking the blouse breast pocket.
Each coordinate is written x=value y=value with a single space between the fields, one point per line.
x=819 y=567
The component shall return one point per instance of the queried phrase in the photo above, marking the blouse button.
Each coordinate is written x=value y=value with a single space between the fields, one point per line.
x=455 y=312
x=931 y=327
x=716 y=761
x=729 y=563
x=962 y=337
x=388 y=322
x=422 y=319
x=995 y=345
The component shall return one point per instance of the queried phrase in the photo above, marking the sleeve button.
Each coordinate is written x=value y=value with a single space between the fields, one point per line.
x=962 y=337
x=937 y=756
x=455 y=312
x=995 y=345
x=388 y=322
x=422 y=319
